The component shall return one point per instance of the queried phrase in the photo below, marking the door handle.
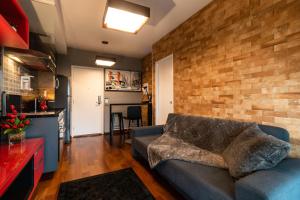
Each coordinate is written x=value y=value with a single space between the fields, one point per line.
x=99 y=102
x=56 y=83
x=171 y=102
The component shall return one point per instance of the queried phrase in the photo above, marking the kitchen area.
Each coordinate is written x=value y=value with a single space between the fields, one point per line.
x=29 y=82
x=36 y=74
x=36 y=77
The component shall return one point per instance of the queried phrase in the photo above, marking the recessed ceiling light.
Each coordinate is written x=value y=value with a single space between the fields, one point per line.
x=107 y=62
x=125 y=16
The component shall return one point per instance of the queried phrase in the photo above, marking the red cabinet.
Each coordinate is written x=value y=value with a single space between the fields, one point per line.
x=14 y=26
x=21 y=164
x=38 y=164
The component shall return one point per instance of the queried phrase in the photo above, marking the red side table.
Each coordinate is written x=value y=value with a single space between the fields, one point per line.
x=21 y=167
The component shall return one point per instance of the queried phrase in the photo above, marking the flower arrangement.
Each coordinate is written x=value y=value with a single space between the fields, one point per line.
x=14 y=126
x=43 y=104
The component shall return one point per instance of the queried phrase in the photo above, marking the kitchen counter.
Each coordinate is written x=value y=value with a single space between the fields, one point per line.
x=50 y=113
x=46 y=125
x=40 y=114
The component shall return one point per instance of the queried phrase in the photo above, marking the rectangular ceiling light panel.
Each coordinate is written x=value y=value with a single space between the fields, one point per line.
x=125 y=16
x=107 y=62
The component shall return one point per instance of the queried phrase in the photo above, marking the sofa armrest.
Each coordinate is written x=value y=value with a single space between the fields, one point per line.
x=279 y=183
x=148 y=130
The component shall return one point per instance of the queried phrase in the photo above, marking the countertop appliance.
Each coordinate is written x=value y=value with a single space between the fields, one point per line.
x=63 y=100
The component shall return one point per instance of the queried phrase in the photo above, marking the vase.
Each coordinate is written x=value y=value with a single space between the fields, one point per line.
x=16 y=138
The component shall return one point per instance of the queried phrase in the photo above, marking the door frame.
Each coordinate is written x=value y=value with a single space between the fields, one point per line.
x=102 y=132
x=157 y=85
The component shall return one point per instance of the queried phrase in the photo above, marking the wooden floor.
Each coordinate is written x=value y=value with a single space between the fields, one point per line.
x=88 y=156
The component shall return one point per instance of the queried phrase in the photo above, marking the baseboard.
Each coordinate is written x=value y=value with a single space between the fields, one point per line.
x=88 y=135
x=118 y=132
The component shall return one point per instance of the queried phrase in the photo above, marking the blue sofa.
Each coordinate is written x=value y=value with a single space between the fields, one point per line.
x=199 y=182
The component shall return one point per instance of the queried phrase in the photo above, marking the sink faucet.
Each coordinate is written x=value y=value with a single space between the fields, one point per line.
x=35 y=104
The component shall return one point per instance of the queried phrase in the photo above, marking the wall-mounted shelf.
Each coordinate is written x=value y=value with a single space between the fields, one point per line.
x=14 y=26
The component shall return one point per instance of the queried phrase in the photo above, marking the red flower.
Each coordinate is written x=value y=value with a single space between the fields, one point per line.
x=12 y=121
x=12 y=107
x=22 y=117
x=14 y=112
x=6 y=126
x=14 y=126
x=21 y=125
x=27 y=122
x=9 y=115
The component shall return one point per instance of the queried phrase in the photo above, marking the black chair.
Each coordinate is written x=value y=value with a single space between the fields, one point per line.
x=119 y=115
x=134 y=113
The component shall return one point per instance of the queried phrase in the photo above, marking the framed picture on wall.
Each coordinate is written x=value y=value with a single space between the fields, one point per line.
x=136 y=81
x=120 y=80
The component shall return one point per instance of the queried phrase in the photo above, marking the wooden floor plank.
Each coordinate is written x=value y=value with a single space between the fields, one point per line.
x=88 y=156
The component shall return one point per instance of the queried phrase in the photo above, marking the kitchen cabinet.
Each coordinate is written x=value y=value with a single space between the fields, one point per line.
x=46 y=125
x=14 y=25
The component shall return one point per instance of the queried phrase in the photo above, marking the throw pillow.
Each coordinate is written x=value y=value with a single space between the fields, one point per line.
x=254 y=150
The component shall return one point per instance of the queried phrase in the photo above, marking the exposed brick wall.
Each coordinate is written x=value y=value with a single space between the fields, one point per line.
x=146 y=78
x=147 y=72
x=239 y=60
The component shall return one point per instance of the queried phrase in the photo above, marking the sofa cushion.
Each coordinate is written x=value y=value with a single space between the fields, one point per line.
x=279 y=183
x=197 y=181
x=141 y=143
x=254 y=150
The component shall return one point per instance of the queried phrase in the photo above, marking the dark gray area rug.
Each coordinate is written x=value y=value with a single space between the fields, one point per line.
x=118 y=185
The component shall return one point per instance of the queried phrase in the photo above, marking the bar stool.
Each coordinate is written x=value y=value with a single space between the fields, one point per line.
x=119 y=115
x=134 y=113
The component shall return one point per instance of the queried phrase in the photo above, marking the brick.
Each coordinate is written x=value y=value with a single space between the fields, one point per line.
x=237 y=60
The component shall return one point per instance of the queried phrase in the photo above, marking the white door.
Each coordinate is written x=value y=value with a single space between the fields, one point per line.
x=87 y=101
x=164 y=89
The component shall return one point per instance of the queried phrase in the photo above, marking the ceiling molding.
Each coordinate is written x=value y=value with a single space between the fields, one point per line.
x=47 y=2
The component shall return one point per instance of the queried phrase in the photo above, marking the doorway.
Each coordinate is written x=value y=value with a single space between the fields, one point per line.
x=87 y=111
x=164 y=89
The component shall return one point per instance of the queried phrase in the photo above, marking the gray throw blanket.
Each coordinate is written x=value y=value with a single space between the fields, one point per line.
x=195 y=139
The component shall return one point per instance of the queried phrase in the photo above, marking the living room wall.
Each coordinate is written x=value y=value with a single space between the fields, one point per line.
x=239 y=60
x=80 y=57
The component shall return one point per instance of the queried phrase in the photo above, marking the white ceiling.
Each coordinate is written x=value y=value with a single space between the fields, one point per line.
x=81 y=24
x=45 y=19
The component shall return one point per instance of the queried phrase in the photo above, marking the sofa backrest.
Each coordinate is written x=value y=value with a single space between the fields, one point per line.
x=214 y=134
x=277 y=132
